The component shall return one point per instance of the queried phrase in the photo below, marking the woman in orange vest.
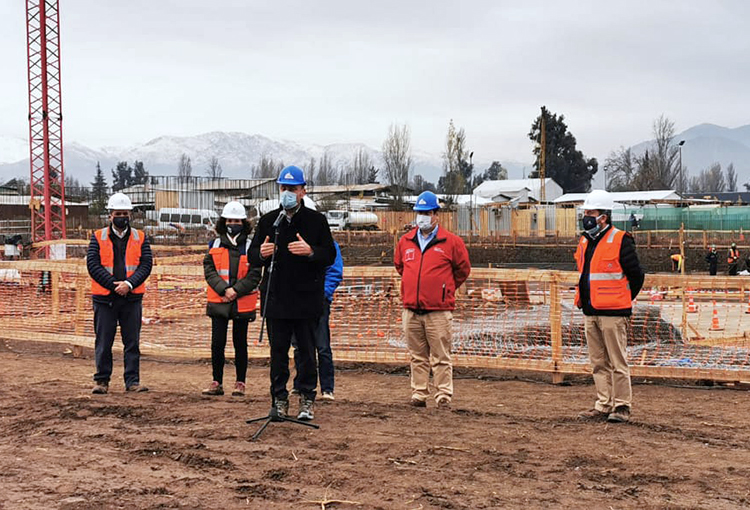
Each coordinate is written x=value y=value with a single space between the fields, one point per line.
x=232 y=294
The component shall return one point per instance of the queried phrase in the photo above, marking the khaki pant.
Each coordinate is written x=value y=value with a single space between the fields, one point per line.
x=607 y=338
x=428 y=338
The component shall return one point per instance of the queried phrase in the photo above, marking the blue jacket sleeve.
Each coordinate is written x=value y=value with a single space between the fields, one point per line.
x=144 y=266
x=95 y=267
x=334 y=273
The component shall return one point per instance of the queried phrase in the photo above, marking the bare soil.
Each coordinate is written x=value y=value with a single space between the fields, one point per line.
x=506 y=443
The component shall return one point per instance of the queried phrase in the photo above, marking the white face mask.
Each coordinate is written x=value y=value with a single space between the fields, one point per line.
x=424 y=222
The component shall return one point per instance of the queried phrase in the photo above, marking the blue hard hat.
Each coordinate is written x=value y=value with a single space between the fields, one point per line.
x=291 y=175
x=427 y=201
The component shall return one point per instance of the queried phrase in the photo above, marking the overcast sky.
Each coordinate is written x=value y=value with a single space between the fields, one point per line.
x=342 y=71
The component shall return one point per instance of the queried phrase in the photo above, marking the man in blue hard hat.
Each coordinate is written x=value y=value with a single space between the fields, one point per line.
x=296 y=298
x=433 y=263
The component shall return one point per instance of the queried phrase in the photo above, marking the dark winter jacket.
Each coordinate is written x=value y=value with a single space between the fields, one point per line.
x=631 y=267
x=106 y=280
x=296 y=290
x=242 y=287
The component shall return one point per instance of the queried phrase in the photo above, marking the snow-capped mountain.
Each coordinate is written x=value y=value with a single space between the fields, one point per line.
x=706 y=144
x=237 y=153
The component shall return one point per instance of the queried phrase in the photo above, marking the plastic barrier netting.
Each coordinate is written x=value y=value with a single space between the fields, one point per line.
x=682 y=327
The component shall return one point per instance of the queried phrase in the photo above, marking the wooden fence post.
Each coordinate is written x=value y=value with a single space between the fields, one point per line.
x=80 y=318
x=555 y=320
x=54 y=277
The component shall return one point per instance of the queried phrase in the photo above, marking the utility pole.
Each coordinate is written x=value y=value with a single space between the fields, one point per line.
x=543 y=160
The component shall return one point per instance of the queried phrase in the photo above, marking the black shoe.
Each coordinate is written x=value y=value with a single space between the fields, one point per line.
x=621 y=414
x=305 y=408
x=417 y=402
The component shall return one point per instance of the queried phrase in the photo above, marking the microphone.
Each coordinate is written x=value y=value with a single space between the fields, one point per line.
x=276 y=223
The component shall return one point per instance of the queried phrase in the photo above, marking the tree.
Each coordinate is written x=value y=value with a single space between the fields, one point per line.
x=372 y=175
x=495 y=172
x=326 y=171
x=657 y=168
x=456 y=178
x=184 y=168
x=98 y=191
x=710 y=180
x=620 y=171
x=361 y=167
x=74 y=189
x=731 y=178
x=310 y=175
x=397 y=162
x=214 y=170
x=140 y=175
x=420 y=184
x=20 y=184
x=566 y=165
x=266 y=168
x=122 y=176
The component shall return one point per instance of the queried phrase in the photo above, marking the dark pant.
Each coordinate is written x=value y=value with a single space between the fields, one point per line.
x=712 y=269
x=323 y=348
x=106 y=317
x=280 y=333
x=219 y=326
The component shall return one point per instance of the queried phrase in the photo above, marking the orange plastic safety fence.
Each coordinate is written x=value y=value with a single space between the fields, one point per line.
x=686 y=327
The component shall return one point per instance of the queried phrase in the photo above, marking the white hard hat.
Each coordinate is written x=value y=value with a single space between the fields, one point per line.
x=599 y=200
x=234 y=211
x=119 y=202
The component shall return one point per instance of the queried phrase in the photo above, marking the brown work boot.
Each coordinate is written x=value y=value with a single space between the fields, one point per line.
x=101 y=388
x=593 y=415
x=137 y=388
x=215 y=388
x=621 y=414
x=239 y=389
x=444 y=403
x=416 y=402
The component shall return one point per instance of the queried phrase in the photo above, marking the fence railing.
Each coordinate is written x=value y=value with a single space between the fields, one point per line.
x=682 y=327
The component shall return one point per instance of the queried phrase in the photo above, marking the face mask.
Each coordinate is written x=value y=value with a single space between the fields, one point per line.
x=424 y=222
x=591 y=225
x=288 y=199
x=233 y=230
x=120 y=222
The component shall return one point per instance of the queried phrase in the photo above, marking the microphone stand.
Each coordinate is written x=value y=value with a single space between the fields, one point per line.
x=273 y=415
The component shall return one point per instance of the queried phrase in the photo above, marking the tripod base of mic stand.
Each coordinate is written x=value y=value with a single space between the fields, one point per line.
x=274 y=416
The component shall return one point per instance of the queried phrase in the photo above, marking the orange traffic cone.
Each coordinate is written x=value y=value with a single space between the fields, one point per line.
x=715 y=326
x=694 y=309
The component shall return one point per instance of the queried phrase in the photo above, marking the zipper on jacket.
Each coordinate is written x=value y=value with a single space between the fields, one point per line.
x=419 y=276
x=443 y=292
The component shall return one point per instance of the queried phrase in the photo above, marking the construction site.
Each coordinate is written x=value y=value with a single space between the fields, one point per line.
x=510 y=439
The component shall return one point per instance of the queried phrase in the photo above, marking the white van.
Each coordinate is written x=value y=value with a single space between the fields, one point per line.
x=186 y=219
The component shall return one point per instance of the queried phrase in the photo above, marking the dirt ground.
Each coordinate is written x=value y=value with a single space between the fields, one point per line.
x=507 y=443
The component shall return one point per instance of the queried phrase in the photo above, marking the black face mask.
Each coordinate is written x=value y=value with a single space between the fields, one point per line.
x=233 y=230
x=589 y=224
x=121 y=222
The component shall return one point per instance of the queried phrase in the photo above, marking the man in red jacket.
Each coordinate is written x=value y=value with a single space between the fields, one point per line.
x=432 y=263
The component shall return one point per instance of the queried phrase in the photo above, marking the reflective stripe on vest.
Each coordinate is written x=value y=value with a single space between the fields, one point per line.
x=220 y=257
x=107 y=258
x=609 y=288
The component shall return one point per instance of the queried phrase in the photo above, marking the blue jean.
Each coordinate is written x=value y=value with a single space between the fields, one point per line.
x=323 y=349
x=106 y=317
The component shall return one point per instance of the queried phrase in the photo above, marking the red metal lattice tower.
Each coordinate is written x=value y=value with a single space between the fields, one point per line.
x=45 y=121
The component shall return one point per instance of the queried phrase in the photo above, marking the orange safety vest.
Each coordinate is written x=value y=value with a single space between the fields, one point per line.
x=107 y=257
x=220 y=255
x=734 y=256
x=609 y=288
